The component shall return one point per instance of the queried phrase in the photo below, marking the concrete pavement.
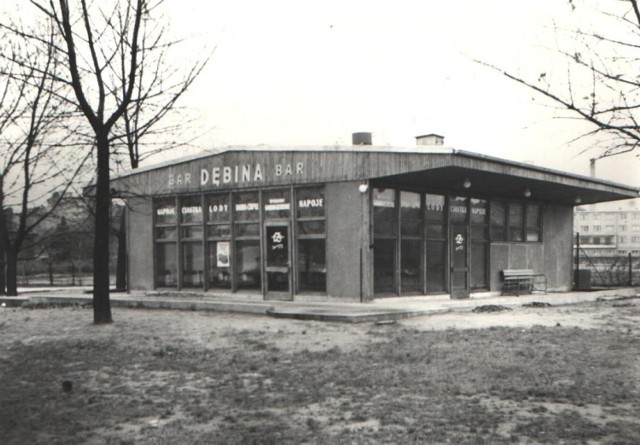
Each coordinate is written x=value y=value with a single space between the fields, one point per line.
x=379 y=310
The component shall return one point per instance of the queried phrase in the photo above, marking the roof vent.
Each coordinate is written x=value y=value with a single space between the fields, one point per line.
x=430 y=139
x=361 y=138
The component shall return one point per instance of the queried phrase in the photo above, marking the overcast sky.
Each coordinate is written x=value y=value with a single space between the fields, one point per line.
x=295 y=72
x=289 y=72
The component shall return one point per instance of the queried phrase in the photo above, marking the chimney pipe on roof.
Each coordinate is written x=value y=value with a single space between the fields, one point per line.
x=430 y=139
x=362 y=138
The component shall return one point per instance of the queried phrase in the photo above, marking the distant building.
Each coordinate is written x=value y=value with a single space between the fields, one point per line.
x=609 y=237
x=609 y=230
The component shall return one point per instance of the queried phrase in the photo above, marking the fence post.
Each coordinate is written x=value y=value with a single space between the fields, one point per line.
x=630 y=270
x=577 y=272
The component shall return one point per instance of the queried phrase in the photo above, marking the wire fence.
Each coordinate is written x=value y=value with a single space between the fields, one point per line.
x=43 y=273
x=607 y=270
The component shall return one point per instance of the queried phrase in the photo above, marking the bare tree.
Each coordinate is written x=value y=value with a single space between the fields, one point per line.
x=36 y=155
x=600 y=85
x=107 y=48
x=94 y=41
x=143 y=130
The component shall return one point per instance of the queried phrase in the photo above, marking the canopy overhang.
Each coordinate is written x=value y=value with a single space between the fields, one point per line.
x=478 y=175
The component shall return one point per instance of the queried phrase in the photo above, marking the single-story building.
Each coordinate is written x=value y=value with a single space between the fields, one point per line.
x=351 y=223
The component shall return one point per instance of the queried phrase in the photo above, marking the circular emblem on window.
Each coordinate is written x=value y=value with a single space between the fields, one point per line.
x=459 y=239
x=277 y=237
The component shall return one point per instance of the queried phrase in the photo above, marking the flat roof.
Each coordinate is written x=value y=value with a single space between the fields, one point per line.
x=436 y=167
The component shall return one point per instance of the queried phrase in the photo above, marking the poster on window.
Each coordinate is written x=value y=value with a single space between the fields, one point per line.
x=222 y=253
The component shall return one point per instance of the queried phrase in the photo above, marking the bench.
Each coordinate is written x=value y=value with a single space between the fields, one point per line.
x=523 y=281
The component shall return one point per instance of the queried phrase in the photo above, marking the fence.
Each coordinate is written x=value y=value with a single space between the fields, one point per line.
x=44 y=273
x=607 y=270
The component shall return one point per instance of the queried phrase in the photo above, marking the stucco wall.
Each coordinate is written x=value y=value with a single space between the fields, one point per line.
x=344 y=232
x=140 y=242
x=551 y=257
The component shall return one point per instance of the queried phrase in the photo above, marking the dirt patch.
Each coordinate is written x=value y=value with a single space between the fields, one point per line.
x=529 y=375
x=537 y=304
x=490 y=308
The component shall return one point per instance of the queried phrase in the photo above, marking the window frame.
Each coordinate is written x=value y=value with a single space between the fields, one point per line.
x=300 y=238
x=175 y=240
x=523 y=226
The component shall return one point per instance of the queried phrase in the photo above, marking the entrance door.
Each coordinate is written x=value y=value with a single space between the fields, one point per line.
x=278 y=262
x=459 y=261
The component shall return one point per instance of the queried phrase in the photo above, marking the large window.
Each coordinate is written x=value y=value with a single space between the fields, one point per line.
x=436 y=242
x=411 y=242
x=166 y=265
x=384 y=240
x=247 y=264
x=310 y=240
x=246 y=215
x=191 y=247
x=166 y=261
x=479 y=246
x=533 y=226
x=498 y=221
x=218 y=208
x=515 y=221
x=246 y=218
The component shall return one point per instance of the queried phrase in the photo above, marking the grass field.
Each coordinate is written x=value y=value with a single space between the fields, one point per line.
x=548 y=375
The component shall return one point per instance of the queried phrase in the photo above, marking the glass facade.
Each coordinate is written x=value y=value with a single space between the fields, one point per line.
x=431 y=243
x=214 y=241
x=423 y=243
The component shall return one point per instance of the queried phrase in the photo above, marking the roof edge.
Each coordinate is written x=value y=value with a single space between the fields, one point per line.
x=479 y=156
x=424 y=149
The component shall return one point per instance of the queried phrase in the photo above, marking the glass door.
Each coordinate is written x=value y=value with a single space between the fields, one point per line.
x=458 y=216
x=459 y=263
x=278 y=261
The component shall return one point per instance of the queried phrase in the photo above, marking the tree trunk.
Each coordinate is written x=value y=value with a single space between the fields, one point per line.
x=121 y=267
x=12 y=274
x=3 y=274
x=101 y=302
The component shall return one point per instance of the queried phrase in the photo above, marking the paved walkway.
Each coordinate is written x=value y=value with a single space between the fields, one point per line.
x=379 y=310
